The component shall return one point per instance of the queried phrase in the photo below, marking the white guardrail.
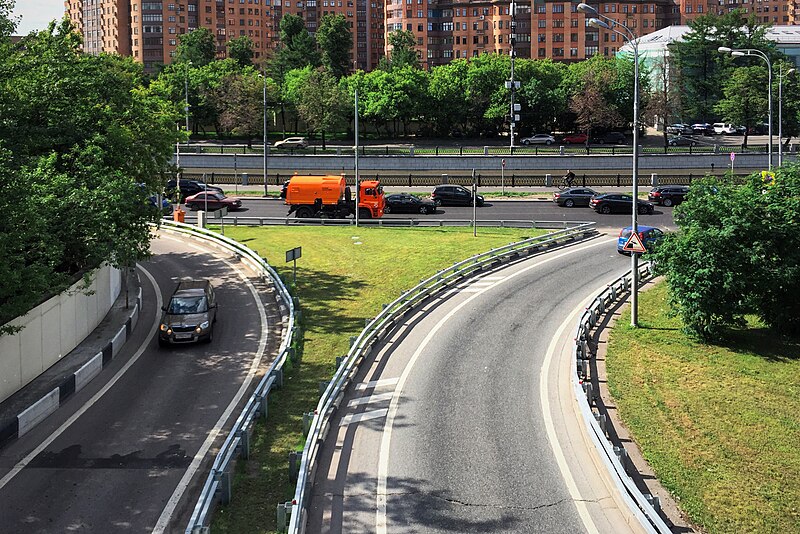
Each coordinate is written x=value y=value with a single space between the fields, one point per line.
x=217 y=487
x=645 y=507
x=296 y=510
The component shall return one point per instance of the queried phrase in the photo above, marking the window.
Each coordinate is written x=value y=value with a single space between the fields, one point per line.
x=573 y=52
x=558 y=8
x=573 y=37
x=542 y=52
x=541 y=9
x=542 y=23
x=558 y=24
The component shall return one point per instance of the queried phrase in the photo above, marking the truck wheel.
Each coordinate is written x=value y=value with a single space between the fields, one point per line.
x=364 y=213
x=303 y=213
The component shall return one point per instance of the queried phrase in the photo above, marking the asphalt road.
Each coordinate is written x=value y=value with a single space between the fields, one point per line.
x=494 y=210
x=122 y=455
x=463 y=421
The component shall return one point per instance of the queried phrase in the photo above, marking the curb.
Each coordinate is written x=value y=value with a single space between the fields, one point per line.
x=28 y=418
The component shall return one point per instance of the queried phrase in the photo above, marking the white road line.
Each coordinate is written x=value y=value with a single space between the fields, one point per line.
x=169 y=509
x=561 y=461
x=365 y=416
x=385 y=382
x=370 y=399
x=386 y=439
x=96 y=397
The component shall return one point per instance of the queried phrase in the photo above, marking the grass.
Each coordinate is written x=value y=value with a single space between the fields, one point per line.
x=719 y=424
x=344 y=276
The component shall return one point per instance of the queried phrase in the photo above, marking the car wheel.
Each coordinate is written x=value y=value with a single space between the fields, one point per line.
x=210 y=336
x=567 y=142
x=303 y=213
x=423 y=210
x=526 y=142
x=694 y=143
x=605 y=209
x=642 y=210
x=387 y=209
x=602 y=141
x=569 y=203
x=548 y=142
x=437 y=202
x=667 y=202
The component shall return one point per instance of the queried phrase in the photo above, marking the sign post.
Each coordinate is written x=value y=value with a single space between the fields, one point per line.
x=634 y=244
x=220 y=213
x=733 y=157
x=474 y=204
x=503 y=176
x=292 y=255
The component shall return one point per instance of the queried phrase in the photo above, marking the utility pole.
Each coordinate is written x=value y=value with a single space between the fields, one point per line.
x=512 y=84
x=356 y=146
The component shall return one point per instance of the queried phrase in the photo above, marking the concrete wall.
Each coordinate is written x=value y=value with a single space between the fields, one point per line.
x=52 y=329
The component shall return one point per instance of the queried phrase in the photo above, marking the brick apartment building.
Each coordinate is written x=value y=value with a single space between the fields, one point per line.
x=444 y=29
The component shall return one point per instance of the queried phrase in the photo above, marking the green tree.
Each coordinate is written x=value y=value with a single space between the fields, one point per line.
x=664 y=102
x=241 y=51
x=240 y=101
x=402 y=51
x=594 y=93
x=198 y=47
x=447 y=106
x=294 y=84
x=297 y=48
x=335 y=41
x=7 y=23
x=541 y=95
x=745 y=101
x=322 y=102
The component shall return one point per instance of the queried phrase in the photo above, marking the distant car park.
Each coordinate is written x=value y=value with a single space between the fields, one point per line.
x=574 y=196
x=702 y=128
x=538 y=139
x=679 y=129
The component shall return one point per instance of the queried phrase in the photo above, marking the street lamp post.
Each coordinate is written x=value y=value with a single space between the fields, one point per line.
x=781 y=74
x=739 y=52
x=186 y=99
x=629 y=36
x=266 y=144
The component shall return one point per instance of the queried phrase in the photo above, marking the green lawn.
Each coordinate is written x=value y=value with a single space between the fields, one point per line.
x=720 y=424
x=343 y=277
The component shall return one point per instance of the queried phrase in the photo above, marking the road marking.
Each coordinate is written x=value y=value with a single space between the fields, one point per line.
x=365 y=416
x=169 y=509
x=368 y=400
x=386 y=438
x=96 y=397
x=377 y=384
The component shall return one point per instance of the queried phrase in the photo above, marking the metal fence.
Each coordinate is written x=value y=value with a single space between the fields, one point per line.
x=644 y=506
x=218 y=485
x=376 y=329
x=385 y=223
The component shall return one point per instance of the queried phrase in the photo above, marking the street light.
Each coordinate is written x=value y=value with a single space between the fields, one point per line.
x=781 y=74
x=266 y=145
x=631 y=38
x=739 y=52
x=186 y=99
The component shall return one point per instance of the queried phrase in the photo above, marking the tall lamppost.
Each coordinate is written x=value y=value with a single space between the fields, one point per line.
x=628 y=35
x=781 y=74
x=513 y=84
x=739 y=52
x=186 y=99
x=266 y=144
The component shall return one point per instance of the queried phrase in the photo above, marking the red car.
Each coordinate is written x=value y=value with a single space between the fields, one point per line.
x=577 y=138
x=212 y=201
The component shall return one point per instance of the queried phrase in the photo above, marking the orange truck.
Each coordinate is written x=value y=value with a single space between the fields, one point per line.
x=330 y=197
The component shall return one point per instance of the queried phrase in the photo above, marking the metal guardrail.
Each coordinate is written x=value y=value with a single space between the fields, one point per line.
x=645 y=507
x=375 y=329
x=217 y=487
x=388 y=223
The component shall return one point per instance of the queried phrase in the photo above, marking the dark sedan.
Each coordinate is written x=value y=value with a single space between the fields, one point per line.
x=212 y=201
x=574 y=196
x=189 y=188
x=668 y=195
x=454 y=195
x=618 y=203
x=405 y=203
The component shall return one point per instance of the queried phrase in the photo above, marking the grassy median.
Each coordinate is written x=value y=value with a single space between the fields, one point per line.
x=345 y=275
x=720 y=424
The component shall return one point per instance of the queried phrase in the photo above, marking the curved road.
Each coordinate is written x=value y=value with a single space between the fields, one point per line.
x=465 y=419
x=123 y=454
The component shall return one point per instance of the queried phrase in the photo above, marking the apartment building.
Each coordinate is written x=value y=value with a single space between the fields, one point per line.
x=149 y=30
x=776 y=12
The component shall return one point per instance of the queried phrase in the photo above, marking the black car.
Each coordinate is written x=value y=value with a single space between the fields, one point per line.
x=190 y=314
x=610 y=138
x=189 y=188
x=574 y=196
x=454 y=195
x=405 y=203
x=668 y=195
x=618 y=203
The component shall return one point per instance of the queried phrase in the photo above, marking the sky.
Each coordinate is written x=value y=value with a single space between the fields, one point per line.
x=37 y=14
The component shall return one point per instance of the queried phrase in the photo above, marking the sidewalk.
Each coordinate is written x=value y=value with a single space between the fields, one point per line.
x=41 y=397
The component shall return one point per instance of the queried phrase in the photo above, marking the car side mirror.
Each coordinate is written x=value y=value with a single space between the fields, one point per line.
x=163 y=308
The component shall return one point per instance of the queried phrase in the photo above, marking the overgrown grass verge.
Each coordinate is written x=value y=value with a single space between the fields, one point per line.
x=345 y=275
x=719 y=424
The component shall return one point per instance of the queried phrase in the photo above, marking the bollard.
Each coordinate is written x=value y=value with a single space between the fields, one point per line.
x=244 y=440
x=278 y=374
x=225 y=487
x=655 y=502
x=339 y=360
x=561 y=150
x=307 y=418
x=293 y=466
x=622 y=455
x=283 y=516
x=444 y=179
x=353 y=340
x=602 y=421
x=263 y=401
x=323 y=385
x=654 y=179
x=548 y=180
x=245 y=178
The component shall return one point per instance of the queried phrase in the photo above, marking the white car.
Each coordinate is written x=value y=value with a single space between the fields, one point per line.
x=292 y=142
x=724 y=129
x=538 y=139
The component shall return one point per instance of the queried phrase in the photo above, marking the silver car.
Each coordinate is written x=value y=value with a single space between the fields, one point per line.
x=538 y=139
x=292 y=142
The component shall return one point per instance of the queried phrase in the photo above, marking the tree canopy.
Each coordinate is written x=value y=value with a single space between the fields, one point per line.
x=198 y=47
x=335 y=41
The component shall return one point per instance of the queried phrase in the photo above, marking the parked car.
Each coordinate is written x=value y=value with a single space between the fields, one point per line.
x=649 y=235
x=574 y=196
x=679 y=129
x=454 y=195
x=188 y=188
x=166 y=205
x=538 y=139
x=212 y=201
x=702 y=128
x=405 y=203
x=292 y=142
x=721 y=128
x=576 y=138
x=668 y=195
x=619 y=203
x=680 y=140
x=190 y=314
x=610 y=138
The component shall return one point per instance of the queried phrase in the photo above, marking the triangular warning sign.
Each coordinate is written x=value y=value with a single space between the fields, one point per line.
x=634 y=244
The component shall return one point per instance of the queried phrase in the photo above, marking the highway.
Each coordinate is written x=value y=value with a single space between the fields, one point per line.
x=127 y=453
x=464 y=420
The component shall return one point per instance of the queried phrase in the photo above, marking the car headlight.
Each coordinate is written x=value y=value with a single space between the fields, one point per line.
x=204 y=325
x=164 y=328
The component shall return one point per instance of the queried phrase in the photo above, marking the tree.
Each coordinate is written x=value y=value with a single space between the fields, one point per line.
x=664 y=104
x=335 y=41
x=737 y=252
x=322 y=103
x=199 y=47
x=592 y=101
x=240 y=101
x=541 y=93
x=447 y=106
x=241 y=51
x=297 y=48
x=7 y=23
x=402 y=51
x=745 y=102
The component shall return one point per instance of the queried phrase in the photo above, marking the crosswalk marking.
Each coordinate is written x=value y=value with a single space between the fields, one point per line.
x=365 y=416
x=370 y=399
x=377 y=384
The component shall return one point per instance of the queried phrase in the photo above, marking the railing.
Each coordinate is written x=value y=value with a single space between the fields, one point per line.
x=217 y=487
x=390 y=223
x=374 y=331
x=644 y=506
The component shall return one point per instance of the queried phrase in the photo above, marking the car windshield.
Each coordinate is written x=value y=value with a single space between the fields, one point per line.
x=187 y=305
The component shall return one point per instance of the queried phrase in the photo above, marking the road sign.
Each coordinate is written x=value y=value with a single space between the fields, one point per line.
x=733 y=156
x=768 y=177
x=503 y=163
x=634 y=244
x=222 y=212
x=294 y=254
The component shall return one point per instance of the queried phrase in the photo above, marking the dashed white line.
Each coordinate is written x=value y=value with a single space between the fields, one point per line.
x=370 y=399
x=384 y=382
x=365 y=416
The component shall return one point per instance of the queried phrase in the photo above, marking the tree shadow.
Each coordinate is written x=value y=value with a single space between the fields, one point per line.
x=763 y=342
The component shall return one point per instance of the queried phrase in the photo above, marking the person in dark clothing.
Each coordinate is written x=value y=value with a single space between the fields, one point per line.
x=569 y=178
